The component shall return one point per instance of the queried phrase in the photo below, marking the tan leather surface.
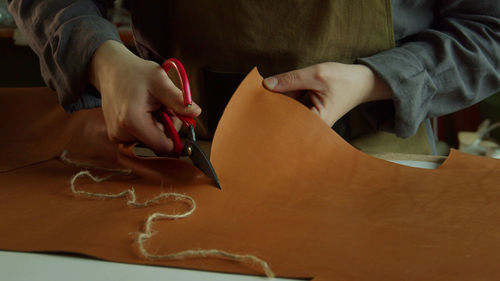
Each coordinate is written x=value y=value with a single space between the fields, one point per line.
x=294 y=194
x=34 y=128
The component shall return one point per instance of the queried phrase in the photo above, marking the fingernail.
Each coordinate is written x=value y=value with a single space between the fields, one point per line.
x=192 y=109
x=270 y=82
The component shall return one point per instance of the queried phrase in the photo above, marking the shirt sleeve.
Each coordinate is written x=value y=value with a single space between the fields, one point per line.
x=65 y=34
x=452 y=65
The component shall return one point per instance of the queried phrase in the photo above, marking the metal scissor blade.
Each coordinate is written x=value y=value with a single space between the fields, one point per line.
x=200 y=160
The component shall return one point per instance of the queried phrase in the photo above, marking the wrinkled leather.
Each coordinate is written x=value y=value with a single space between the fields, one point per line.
x=35 y=128
x=294 y=194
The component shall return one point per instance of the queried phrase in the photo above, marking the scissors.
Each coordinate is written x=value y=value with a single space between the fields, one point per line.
x=185 y=146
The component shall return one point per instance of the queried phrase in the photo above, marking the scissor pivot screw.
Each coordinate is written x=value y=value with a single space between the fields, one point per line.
x=189 y=150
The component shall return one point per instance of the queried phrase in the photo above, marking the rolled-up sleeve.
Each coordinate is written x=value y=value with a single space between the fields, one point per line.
x=452 y=65
x=65 y=34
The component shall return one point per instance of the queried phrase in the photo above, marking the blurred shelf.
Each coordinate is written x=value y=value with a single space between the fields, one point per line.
x=6 y=32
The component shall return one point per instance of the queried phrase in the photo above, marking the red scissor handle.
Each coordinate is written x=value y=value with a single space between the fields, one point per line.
x=166 y=114
x=181 y=72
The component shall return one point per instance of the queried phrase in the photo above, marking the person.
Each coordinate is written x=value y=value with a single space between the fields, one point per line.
x=401 y=62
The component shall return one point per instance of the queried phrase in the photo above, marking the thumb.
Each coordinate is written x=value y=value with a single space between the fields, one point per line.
x=296 y=80
x=169 y=95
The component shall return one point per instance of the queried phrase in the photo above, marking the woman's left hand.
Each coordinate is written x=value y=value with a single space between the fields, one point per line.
x=333 y=88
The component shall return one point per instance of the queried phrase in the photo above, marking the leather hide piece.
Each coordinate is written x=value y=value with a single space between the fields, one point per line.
x=294 y=194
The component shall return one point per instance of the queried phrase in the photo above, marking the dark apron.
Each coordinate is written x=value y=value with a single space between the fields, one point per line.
x=220 y=41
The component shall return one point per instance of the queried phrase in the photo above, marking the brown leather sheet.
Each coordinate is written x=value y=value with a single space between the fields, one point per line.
x=294 y=194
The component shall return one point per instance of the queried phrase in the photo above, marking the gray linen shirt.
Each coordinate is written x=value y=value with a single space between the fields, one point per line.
x=447 y=55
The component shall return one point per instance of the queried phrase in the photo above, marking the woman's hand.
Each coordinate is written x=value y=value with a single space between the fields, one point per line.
x=132 y=89
x=333 y=89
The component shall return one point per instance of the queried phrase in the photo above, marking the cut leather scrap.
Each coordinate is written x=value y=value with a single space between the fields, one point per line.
x=295 y=195
x=351 y=216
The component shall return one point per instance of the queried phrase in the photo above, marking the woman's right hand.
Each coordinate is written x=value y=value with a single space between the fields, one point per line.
x=132 y=89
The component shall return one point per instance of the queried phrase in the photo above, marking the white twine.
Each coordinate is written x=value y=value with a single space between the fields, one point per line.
x=142 y=237
x=64 y=158
x=211 y=253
